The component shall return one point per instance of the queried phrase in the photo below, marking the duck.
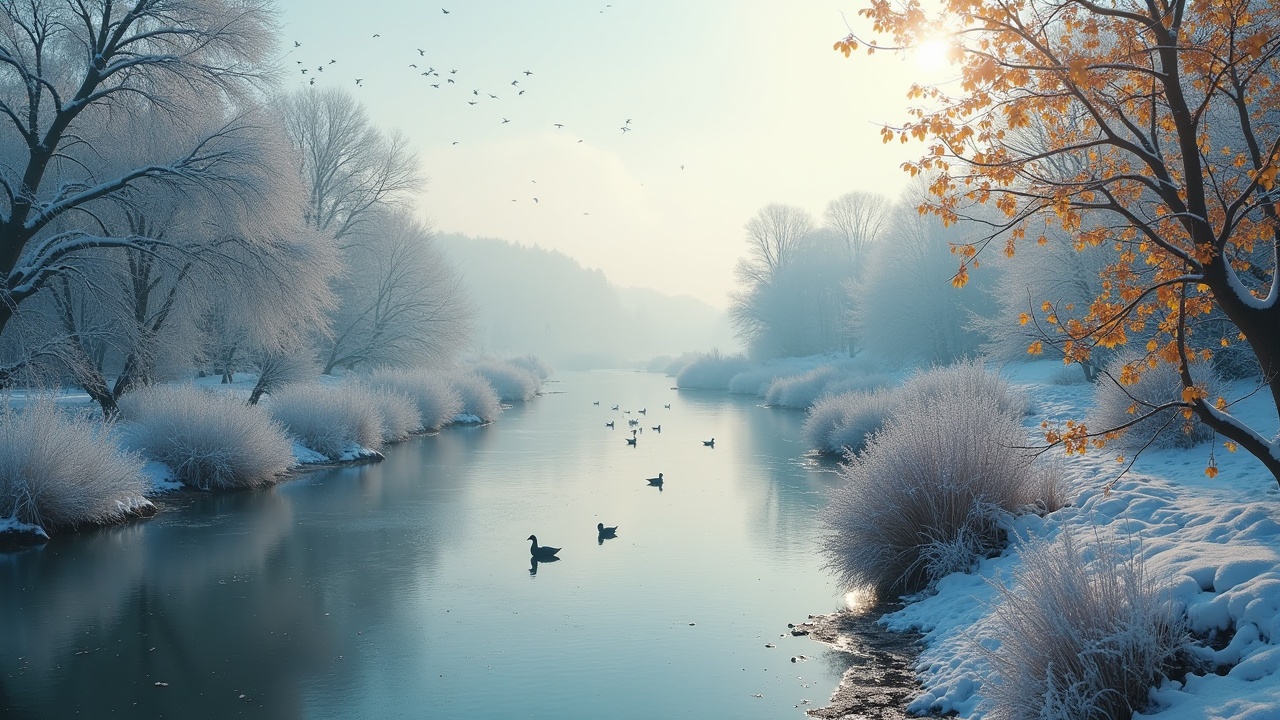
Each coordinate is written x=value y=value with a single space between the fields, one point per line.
x=596 y=402
x=631 y=440
x=667 y=406
x=615 y=407
x=657 y=428
x=606 y=532
x=541 y=552
x=643 y=411
x=709 y=443
x=609 y=424
x=655 y=481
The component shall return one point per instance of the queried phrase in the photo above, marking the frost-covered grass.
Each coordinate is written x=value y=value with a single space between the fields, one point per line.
x=932 y=492
x=479 y=399
x=804 y=390
x=59 y=470
x=711 y=372
x=429 y=390
x=1082 y=633
x=534 y=364
x=964 y=379
x=1113 y=404
x=329 y=419
x=511 y=381
x=212 y=441
x=397 y=413
x=842 y=423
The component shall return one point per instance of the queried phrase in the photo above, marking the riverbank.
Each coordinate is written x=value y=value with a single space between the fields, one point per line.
x=1209 y=546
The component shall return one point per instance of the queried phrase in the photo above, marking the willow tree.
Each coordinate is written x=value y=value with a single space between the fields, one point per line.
x=1149 y=125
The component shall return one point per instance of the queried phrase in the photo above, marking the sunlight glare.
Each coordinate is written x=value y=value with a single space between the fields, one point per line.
x=932 y=54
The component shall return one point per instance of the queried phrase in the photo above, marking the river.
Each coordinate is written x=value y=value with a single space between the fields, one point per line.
x=405 y=589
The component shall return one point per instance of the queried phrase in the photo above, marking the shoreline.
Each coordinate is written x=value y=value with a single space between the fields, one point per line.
x=880 y=679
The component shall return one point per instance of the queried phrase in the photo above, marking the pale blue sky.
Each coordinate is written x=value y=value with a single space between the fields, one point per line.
x=747 y=95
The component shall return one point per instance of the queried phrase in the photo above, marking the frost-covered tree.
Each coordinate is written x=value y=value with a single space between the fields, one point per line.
x=401 y=301
x=905 y=308
x=859 y=218
x=73 y=75
x=351 y=168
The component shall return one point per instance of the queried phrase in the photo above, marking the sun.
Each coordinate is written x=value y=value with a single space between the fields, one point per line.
x=932 y=53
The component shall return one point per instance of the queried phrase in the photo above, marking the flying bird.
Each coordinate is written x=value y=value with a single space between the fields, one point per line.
x=320 y=69
x=450 y=81
x=504 y=121
x=476 y=93
x=297 y=44
x=455 y=142
x=446 y=12
x=628 y=122
x=520 y=93
x=435 y=85
x=515 y=82
x=421 y=52
x=376 y=35
x=473 y=102
x=528 y=73
x=414 y=65
x=535 y=200
x=453 y=72
x=559 y=125
x=359 y=80
x=495 y=97
x=332 y=62
x=313 y=81
x=626 y=129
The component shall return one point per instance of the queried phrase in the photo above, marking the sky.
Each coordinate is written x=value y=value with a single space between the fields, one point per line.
x=729 y=105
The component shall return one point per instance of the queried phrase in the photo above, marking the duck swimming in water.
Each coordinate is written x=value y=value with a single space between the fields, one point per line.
x=606 y=532
x=541 y=552
x=709 y=443
x=655 y=481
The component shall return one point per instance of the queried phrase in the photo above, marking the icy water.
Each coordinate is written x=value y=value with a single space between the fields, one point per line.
x=405 y=589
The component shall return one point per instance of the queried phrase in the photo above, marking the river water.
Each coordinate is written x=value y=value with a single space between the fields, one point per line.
x=405 y=589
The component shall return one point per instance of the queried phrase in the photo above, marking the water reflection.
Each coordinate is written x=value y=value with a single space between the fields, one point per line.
x=535 y=562
x=380 y=591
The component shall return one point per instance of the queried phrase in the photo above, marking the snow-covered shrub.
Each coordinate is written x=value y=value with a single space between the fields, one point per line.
x=479 y=399
x=1083 y=634
x=842 y=423
x=534 y=364
x=212 y=441
x=429 y=390
x=712 y=371
x=330 y=419
x=398 y=415
x=1160 y=384
x=511 y=382
x=931 y=492
x=755 y=380
x=57 y=470
x=967 y=379
x=858 y=382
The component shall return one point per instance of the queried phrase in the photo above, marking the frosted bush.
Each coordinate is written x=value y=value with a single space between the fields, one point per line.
x=754 y=380
x=938 y=477
x=429 y=390
x=511 y=382
x=212 y=441
x=62 y=471
x=842 y=423
x=534 y=364
x=1157 y=385
x=397 y=413
x=802 y=391
x=479 y=399
x=330 y=419
x=857 y=382
x=1081 y=635
x=965 y=379
x=711 y=372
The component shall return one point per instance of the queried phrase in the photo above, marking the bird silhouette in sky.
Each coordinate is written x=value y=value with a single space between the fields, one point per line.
x=359 y=80
x=313 y=81
x=505 y=121
x=446 y=12
x=320 y=69
x=476 y=93
x=297 y=44
x=473 y=102
x=453 y=72
x=413 y=65
x=304 y=71
x=527 y=73
x=332 y=62
x=421 y=52
x=559 y=125
x=628 y=122
x=495 y=97
x=515 y=82
x=450 y=81
x=520 y=93
x=626 y=129
x=455 y=142
x=436 y=85
x=376 y=35
x=535 y=200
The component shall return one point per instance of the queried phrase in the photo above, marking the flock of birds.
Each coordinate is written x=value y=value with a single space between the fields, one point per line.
x=546 y=553
x=454 y=84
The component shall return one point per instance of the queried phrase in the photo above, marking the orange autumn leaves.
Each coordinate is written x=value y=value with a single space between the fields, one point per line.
x=1141 y=127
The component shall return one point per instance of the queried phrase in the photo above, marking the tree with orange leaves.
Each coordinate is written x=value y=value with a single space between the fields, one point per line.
x=1150 y=125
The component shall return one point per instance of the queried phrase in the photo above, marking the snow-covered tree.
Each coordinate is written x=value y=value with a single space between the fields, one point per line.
x=73 y=76
x=352 y=170
x=401 y=301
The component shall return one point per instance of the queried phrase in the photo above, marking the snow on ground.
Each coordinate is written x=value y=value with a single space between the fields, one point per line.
x=160 y=479
x=1215 y=541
